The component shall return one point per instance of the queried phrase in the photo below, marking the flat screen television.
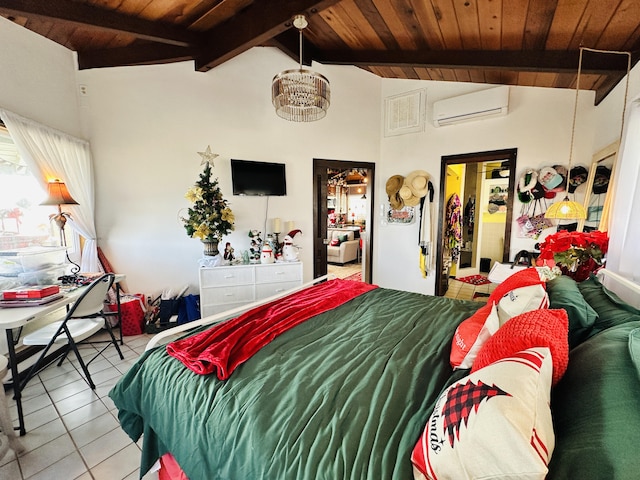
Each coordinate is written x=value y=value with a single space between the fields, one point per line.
x=258 y=178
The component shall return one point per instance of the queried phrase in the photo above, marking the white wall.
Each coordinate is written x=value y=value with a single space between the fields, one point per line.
x=37 y=81
x=148 y=123
x=37 y=78
x=609 y=111
x=538 y=125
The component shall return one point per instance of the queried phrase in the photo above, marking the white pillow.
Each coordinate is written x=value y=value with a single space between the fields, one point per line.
x=493 y=424
x=521 y=300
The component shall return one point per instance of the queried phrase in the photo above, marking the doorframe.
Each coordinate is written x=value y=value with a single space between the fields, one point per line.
x=320 y=212
x=509 y=154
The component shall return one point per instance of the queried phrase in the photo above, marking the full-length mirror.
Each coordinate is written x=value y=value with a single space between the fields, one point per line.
x=476 y=198
x=597 y=198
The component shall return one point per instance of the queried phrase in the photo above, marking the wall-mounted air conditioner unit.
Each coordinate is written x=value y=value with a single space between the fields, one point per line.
x=472 y=106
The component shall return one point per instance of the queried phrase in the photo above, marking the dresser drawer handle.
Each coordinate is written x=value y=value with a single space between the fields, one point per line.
x=228 y=295
x=278 y=290
x=229 y=276
x=280 y=273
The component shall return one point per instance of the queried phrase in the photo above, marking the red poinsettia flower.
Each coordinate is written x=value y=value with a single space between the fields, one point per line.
x=576 y=253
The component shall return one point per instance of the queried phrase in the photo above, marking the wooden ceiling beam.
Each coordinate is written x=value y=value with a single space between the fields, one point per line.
x=86 y=16
x=549 y=61
x=253 y=26
x=607 y=85
x=289 y=43
x=137 y=54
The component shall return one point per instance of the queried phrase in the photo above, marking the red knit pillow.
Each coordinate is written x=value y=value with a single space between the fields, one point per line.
x=537 y=328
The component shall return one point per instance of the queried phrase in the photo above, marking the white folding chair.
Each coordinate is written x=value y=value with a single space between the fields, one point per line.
x=84 y=318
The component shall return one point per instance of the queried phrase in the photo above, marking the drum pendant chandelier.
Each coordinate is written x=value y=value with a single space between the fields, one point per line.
x=300 y=95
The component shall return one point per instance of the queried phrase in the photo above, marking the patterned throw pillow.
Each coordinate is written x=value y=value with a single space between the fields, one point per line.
x=493 y=424
x=335 y=242
x=467 y=333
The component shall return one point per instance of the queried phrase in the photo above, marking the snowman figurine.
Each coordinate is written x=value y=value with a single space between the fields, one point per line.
x=289 y=250
x=266 y=255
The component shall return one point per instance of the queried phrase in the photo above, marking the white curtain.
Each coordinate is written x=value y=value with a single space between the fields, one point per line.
x=624 y=228
x=53 y=154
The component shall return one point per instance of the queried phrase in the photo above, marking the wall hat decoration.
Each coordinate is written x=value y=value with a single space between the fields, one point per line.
x=393 y=186
x=601 y=180
x=549 y=178
x=577 y=177
x=418 y=183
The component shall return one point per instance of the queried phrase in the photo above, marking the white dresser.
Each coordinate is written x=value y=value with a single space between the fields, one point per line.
x=223 y=288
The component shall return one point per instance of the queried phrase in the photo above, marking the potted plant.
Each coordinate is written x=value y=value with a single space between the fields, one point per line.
x=577 y=254
x=209 y=217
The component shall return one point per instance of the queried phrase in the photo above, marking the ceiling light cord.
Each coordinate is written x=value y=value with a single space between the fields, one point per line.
x=605 y=218
x=570 y=209
x=300 y=57
x=575 y=114
x=626 y=92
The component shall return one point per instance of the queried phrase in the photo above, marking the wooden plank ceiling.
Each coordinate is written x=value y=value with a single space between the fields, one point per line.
x=511 y=42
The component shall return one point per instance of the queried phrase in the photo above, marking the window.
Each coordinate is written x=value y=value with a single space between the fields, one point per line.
x=23 y=222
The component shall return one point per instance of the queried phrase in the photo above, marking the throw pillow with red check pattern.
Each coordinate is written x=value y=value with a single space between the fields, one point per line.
x=493 y=424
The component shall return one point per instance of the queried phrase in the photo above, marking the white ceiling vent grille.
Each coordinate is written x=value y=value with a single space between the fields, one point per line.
x=405 y=113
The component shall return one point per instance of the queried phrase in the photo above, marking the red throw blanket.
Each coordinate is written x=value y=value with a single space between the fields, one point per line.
x=229 y=344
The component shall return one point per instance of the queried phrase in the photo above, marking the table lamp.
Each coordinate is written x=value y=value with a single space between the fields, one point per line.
x=59 y=195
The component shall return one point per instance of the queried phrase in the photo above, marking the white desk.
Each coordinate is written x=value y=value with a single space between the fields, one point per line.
x=17 y=317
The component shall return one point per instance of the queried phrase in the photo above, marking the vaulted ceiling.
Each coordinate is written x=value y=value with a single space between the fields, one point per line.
x=511 y=42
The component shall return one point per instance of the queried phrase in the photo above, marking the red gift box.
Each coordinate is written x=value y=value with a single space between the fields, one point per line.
x=132 y=313
x=31 y=292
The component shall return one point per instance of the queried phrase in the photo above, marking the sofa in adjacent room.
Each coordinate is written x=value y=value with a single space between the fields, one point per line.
x=343 y=246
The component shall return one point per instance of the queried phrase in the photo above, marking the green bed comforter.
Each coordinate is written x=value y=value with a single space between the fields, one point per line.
x=344 y=395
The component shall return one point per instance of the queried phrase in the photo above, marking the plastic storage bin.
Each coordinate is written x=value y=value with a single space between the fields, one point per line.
x=47 y=276
x=31 y=259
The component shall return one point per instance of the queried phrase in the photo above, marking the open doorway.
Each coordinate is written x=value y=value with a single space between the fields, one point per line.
x=476 y=199
x=343 y=199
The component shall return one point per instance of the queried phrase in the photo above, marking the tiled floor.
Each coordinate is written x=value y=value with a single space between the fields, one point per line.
x=72 y=431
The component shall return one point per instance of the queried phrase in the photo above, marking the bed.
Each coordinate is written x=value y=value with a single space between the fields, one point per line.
x=349 y=392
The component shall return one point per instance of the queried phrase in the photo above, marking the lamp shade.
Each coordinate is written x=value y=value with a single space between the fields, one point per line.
x=565 y=210
x=58 y=194
x=300 y=95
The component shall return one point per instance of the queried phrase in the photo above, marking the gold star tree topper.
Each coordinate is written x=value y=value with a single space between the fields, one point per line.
x=207 y=156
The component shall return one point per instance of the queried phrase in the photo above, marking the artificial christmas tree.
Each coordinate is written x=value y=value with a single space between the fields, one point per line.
x=209 y=218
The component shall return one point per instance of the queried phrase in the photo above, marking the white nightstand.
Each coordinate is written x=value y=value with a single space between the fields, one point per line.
x=223 y=288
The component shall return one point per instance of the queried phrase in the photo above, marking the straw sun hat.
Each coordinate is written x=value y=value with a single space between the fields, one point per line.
x=415 y=186
x=407 y=190
x=394 y=184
